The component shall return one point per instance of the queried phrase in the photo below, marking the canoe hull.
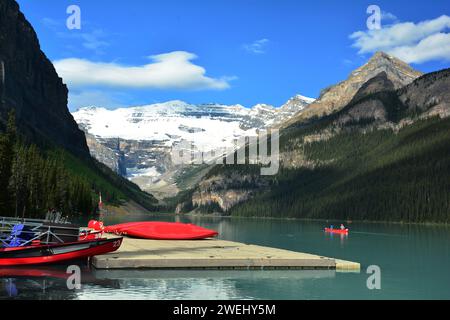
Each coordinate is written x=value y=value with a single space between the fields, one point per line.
x=60 y=253
x=162 y=231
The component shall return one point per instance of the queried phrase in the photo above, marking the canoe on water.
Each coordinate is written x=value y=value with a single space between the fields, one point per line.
x=158 y=230
x=57 y=253
x=336 y=231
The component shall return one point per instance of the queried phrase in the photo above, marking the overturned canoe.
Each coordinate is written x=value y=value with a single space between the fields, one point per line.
x=161 y=230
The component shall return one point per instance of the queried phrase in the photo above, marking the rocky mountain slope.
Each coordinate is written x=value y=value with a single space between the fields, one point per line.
x=337 y=96
x=384 y=155
x=138 y=142
x=30 y=85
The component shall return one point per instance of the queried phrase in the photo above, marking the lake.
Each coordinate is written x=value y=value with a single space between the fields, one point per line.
x=414 y=262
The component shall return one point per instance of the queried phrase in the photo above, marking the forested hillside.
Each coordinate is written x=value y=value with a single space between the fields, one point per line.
x=32 y=183
x=45 y=161
x=35 y=180
x=385 y=156
x=374 y=176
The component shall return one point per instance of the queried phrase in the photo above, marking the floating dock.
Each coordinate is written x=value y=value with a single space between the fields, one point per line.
x=213 y=254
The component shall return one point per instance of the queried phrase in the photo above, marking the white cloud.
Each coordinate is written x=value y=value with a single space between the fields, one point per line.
x=411 y=42
x=257 y=47
x=387 y=16
x=172 y=70
x=434 y=47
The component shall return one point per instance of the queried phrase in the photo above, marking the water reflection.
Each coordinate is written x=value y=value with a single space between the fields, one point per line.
x=34 y=283
x=342 y=237
x=204 y=284
x=47 y=283
x=51 y=283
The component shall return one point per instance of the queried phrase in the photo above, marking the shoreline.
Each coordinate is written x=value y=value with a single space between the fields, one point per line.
x=438 y=224
x=131 y=207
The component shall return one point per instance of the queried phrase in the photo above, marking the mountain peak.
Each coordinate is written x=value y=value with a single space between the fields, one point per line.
x=398 y=71
x=381 y=55
x=334 y=98
x=380 y=58
x=389 y=63
x=263 y=106
x=299 y=97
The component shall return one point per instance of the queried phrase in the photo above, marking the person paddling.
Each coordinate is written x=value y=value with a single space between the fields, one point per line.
x=342 y=227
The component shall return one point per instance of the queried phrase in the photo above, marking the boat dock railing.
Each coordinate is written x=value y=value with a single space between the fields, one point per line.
x=36 y=230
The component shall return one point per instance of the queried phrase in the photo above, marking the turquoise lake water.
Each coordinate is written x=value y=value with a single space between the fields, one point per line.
x=414 y=262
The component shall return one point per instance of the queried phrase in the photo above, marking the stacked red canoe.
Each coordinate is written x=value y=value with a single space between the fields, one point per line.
x=157 y=230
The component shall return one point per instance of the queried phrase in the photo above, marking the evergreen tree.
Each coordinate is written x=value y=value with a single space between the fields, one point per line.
x=31 y=183
x=7 y=143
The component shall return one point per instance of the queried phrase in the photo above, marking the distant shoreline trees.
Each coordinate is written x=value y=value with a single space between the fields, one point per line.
x=376 y=175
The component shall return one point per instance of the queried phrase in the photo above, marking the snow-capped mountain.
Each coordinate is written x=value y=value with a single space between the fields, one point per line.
x=137 y=141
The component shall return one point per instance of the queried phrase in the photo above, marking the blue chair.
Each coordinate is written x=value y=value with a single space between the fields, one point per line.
x=15 y=239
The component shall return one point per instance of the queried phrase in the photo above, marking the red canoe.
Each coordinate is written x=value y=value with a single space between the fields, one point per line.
x=161 y=230
x=57 y=253
x=337 y=231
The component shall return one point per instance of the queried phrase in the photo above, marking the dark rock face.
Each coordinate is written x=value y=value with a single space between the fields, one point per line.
x=429 y=94
x=379 y=83
x=379 y=102
x=30 y=85
x=368 y=104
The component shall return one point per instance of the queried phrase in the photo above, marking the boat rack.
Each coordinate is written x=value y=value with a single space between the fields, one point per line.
x=37 y=230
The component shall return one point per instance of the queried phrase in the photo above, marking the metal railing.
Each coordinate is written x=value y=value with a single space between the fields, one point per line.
x=36 y=230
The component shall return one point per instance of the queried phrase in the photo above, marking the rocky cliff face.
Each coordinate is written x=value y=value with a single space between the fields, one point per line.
x=429 y=94
x=336 y=97
x=30 y=85
x=379 y=106
x=370 y=109
x=226 y=191
x=111 y=157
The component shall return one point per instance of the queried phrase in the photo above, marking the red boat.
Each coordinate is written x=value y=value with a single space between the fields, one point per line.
x=158 y=230
x=57 y=253
x=336 y=231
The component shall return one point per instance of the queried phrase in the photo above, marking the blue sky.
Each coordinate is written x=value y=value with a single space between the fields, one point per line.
x=233 y=52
